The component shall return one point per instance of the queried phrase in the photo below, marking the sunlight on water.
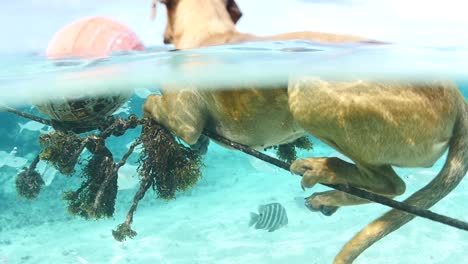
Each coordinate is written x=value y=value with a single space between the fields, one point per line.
x=33 y=78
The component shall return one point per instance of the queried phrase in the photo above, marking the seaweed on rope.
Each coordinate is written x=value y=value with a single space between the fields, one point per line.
x=95 y=198
x=29 y=182
x=170 y=165
x=62 y=150
x=288 y=152
x=166 y=165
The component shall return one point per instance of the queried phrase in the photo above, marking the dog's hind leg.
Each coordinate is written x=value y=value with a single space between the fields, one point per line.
x=382 y=180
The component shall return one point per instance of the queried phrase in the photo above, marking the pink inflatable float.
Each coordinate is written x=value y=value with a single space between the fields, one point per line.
x=90 y=38
x=93 y=37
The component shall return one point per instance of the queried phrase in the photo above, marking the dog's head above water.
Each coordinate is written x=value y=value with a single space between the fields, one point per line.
x=174 y=17
x=200 y=23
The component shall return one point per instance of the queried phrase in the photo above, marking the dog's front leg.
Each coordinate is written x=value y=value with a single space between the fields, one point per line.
x=182 y=112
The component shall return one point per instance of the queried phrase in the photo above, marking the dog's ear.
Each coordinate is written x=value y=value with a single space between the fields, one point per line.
x=233 y=10
x=153 y=6
x=153 y=9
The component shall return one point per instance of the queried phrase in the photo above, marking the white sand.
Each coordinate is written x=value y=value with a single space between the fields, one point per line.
x=209 y=224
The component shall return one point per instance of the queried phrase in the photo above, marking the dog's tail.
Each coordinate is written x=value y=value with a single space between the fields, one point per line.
x=455 y=168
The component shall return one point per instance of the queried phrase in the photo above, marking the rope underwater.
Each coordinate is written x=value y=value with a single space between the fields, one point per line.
x=424 y=213
x=349 y=189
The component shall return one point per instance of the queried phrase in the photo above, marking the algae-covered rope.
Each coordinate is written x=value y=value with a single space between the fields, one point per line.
x=26 y=115
x=424 y=213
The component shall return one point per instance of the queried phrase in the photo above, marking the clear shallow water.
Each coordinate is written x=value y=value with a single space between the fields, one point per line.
x=209 y=223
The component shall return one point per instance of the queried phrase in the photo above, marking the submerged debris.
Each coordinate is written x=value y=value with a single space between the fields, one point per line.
x=170 y=165
x=96 y=196
x=82 y=114
x=287 y=152
x=165 y=165
x=29 y=182
x=62 y=150
x=125 y=230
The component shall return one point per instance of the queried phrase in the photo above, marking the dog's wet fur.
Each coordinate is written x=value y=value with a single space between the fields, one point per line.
x=376 y=124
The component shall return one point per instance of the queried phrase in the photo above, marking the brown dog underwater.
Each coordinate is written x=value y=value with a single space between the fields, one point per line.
x=376 y=125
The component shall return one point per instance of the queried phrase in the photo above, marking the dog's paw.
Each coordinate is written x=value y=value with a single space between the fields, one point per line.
x=314 y=204
x=313 y=171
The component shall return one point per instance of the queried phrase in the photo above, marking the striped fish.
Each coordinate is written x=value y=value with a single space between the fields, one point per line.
x=270 y=216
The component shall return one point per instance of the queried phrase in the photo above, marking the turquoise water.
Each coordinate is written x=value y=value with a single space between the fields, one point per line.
x=209 y=223
x=34 y=78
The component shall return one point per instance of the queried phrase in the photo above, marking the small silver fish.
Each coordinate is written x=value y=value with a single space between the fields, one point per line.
x=32 y=126
x=271 y=216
